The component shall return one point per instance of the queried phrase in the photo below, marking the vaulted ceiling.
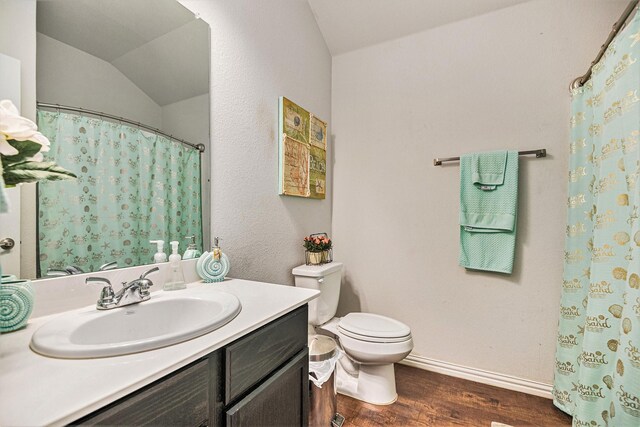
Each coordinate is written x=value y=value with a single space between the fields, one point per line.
x=353 y=24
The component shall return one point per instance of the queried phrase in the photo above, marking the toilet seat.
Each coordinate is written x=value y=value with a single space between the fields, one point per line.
x=373 y=328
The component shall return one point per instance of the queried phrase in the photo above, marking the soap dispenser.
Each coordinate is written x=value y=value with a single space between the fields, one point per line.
x=176 y=277
x=160 y=256
x=192 y=250
x=213 y=266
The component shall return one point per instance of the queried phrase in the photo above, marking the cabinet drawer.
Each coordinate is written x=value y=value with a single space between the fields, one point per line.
x=181 y=400
x=252 y=358
x=282 y=400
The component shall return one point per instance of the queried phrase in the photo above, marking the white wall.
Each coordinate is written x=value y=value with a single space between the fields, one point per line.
x=69 y=76
x=495 y=81
x=259 y=51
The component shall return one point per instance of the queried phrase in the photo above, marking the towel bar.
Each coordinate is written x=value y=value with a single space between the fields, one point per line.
x=541 y=152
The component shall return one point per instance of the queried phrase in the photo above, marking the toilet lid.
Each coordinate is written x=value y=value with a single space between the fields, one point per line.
x=373 y=327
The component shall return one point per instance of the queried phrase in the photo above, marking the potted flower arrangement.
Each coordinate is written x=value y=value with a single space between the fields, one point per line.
x=21 y=148
x=318 y=249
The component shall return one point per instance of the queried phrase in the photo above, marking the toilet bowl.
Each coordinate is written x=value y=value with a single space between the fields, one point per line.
x=372 y=343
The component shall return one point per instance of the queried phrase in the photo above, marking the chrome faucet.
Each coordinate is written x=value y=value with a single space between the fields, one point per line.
x=131 y=293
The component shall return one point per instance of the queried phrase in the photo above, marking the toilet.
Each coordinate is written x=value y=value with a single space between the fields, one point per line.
x=373 y=343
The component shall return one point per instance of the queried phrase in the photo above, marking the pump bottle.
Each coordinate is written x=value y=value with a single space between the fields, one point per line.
x=176 y=275
x=160 y=256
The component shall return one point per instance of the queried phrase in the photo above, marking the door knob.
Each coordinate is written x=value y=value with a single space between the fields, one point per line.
x=7 y=243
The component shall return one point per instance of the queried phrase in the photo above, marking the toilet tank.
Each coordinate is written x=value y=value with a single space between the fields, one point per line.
x=325 y=278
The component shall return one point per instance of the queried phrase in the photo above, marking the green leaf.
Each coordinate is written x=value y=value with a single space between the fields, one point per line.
x=26 y=150
x=23 y=172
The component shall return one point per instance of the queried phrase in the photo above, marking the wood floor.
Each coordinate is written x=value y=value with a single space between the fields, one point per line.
x=430 y=399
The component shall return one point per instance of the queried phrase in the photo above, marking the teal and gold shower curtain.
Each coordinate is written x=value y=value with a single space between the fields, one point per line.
x=597 y=367
x=133 y=186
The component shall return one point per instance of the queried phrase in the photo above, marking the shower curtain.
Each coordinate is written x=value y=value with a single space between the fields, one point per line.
x=597 y=367
x=133 y=186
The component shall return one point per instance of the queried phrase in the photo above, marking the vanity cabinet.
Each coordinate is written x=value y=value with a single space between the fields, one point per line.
x=258 y=380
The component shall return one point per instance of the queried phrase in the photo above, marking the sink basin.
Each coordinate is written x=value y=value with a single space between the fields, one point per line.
x=167 y=318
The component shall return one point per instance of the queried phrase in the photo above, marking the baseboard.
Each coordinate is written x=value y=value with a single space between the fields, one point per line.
x=478 y=375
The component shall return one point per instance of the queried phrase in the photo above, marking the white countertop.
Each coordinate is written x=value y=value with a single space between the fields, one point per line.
x=37 y=390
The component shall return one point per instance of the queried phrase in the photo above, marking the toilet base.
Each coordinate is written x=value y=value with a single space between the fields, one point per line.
x=375 y=384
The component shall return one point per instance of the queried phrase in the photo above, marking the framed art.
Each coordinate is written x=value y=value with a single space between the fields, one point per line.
x=302 y=169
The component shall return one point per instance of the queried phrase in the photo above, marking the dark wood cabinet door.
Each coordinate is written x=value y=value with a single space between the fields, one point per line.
x=181 y=399
x=282 y=400
x=256 y=356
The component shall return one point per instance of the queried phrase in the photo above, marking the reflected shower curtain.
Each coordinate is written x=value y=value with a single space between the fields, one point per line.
x=132 y=186
x=597 y=367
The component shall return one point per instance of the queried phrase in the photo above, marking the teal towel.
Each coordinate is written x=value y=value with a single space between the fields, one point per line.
x=488 y=169
x=488 y=218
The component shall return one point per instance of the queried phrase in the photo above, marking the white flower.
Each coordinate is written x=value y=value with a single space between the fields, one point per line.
x=42 y=140
x=5 y=148
x=14 y=126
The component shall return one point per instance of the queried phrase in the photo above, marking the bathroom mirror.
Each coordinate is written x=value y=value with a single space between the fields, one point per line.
x=135 y=76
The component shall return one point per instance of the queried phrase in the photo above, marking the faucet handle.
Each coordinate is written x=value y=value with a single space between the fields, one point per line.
x=72 y=269
x=143 y=283
x=56 y=272
x=153 y=270
x=107 y=296
x=108 y=266
x=97 y=279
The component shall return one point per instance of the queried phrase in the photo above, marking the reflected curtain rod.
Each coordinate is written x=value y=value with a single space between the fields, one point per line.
x=580 y=81
x=541 y=152
x=199 y=147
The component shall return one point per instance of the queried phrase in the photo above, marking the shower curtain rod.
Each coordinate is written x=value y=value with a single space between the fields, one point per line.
x=199 y=147
x=580 y=81
x=540 y=152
